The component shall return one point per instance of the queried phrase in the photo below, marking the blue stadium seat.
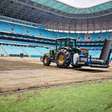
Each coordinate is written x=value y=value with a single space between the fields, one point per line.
x=17 y=28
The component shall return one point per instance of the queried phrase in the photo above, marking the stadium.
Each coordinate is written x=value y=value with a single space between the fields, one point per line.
x=29 y=29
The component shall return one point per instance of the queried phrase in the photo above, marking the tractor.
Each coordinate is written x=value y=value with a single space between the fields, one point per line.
x=67 y=53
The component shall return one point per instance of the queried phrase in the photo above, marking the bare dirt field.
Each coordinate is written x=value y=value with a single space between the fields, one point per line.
x=23 y=73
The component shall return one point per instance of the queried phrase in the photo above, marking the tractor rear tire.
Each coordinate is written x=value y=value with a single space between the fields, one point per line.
x=63 y=58
x=46 y=61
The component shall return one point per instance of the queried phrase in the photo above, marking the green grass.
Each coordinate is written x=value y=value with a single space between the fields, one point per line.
x=92 y=97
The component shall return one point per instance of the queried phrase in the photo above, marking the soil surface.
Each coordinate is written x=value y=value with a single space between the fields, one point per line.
x=23 y=73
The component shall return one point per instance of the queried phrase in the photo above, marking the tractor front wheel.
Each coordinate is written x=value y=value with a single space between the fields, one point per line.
x=46 y=61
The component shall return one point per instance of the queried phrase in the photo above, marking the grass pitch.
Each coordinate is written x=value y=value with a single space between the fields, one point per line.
x=91 y=97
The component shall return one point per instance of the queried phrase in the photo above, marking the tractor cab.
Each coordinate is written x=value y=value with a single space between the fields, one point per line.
x=65 y=42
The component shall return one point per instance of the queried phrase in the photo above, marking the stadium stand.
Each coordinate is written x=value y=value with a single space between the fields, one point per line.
x=14 y=31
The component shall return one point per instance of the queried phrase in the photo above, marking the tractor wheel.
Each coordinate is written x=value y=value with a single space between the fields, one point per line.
x=46 y=61
x=63 y=58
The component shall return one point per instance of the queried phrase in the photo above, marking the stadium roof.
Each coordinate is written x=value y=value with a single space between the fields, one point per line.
x=57 y=5
x=59 y=16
